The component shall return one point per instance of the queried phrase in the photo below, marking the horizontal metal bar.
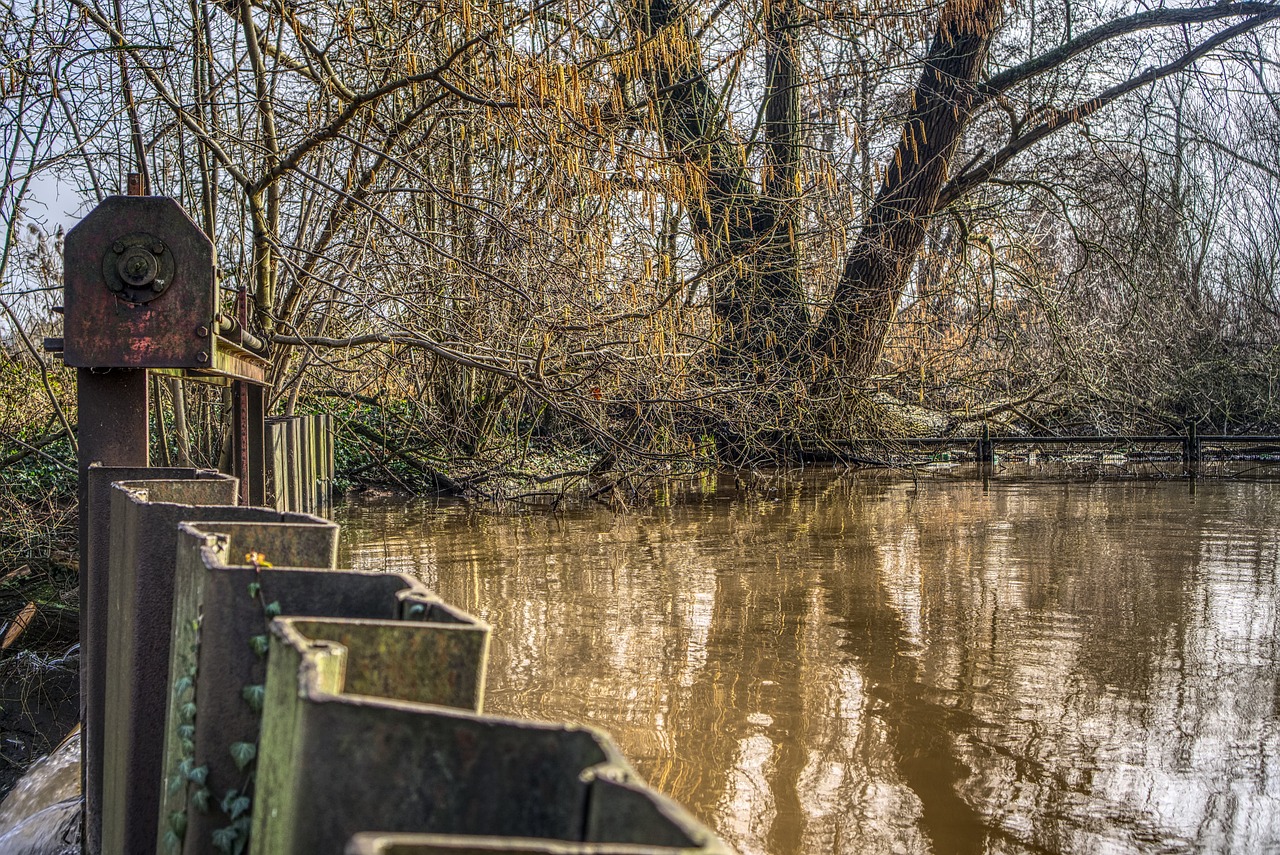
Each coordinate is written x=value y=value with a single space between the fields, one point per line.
x=1085 y=440
x=1065 y=440
x=1262 y=440
x=230 y=328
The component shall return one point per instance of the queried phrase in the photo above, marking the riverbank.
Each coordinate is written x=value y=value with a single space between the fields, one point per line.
x=39 y=619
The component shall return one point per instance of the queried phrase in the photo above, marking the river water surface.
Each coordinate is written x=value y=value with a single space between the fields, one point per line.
x=843 y=664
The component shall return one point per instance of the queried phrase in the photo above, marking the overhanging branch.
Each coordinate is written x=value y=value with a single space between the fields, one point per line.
x=1059 y=119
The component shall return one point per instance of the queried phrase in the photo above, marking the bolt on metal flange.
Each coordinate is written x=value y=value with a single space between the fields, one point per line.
x=138 y=268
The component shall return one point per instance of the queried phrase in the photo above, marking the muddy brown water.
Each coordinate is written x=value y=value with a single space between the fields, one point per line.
x=844 y=664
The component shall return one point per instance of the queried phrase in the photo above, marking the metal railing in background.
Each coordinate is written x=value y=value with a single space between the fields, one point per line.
x=1191 y=447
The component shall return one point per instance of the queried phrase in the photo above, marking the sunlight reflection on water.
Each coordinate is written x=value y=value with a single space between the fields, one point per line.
x=857 y=665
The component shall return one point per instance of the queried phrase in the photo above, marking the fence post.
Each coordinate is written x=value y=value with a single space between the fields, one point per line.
x=986 y=447
x=1191 y=450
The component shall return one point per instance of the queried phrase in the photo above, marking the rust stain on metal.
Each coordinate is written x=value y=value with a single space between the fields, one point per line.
x=140 y=277
x=103 y=329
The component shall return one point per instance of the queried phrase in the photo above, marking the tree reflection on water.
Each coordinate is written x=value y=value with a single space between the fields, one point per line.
x=849 y=665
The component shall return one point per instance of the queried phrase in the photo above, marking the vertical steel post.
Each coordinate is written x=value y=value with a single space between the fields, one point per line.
x=248 y=428
x=250 y=439
x=113 y=431
x=986 y=447
x=1191 y=450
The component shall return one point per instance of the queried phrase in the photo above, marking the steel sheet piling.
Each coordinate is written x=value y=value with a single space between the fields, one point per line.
x=144 y=539
x=358 y=734
x=299 y=456
x=213 y=662
x=95 y=549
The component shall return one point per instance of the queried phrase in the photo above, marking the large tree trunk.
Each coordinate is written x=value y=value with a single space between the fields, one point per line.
x=852 y=333
x=760 y=304
x=757 y=297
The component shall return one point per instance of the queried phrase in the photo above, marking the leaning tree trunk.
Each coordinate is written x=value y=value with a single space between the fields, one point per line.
x=852 y=333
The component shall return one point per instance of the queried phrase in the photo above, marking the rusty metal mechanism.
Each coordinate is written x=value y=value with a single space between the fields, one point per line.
x=141 y=292
x=137 y=268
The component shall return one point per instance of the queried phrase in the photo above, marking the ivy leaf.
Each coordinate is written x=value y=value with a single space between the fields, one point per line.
x=254 y=588
x=239 y=806
x=186 y=731
x=254 y=696
x=272 y=609
x=182 y=685
x=178 y=822
x=198 y=775
x=243 y=753
x=171 y=841
x=176 y=782
x=258 y=644
x=200 y=800
x=187 y=711
x=224 y=840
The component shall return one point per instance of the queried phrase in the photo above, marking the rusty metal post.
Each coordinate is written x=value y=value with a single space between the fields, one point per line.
x=249 y=432
x=113 y=431
x=248 y=428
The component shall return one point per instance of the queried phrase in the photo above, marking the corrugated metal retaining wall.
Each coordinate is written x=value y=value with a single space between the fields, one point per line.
x=261 y=701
